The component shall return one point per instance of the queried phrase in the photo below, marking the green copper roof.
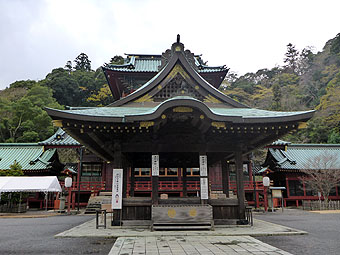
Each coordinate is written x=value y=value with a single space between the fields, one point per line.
x=30 y=156
x=151 y=63
x=242 y=114
x=60 y=138
x=299 y=156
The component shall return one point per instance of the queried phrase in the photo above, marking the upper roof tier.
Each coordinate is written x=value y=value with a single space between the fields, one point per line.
x=139 y=63
x=137 y=69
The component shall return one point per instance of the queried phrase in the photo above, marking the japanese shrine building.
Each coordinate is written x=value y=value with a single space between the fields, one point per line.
x=285 y=163
x=185 y=120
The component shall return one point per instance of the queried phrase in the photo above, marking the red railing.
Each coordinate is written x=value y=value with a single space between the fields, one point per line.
x=86 y=186
x=248 y=185
x=191 y=185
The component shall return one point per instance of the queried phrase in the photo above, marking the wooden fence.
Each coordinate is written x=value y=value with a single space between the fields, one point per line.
x=320 y=205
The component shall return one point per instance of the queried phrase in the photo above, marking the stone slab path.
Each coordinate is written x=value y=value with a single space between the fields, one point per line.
x=191 y=245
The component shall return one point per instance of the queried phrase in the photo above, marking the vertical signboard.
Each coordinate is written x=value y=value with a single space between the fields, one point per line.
x=117 y=188
x=203 y=165
x=155 y=165
x=204 y=188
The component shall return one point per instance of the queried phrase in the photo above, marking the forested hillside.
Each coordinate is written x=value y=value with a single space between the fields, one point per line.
x=22 y=117
x=307 y=80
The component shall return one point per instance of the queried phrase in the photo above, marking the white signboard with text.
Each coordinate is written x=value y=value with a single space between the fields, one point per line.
x=117 y=188
x=204 y=188
x=203 y=165
x=155 y=165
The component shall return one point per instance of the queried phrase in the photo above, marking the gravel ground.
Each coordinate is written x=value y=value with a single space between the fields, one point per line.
x=323 y=229
x=36 y=236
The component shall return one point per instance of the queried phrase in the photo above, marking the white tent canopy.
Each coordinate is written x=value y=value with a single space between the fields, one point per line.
x=29 y=184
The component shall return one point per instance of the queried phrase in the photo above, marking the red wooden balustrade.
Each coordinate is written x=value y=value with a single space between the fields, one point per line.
x=86 y=186
x=191 y=185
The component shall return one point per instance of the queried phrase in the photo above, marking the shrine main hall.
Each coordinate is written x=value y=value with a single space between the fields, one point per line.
x=173 y=133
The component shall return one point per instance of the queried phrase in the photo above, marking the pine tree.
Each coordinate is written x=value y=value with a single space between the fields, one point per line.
x=291 y=59
x=82 y=62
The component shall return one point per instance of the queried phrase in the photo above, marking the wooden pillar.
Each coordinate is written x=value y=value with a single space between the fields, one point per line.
x=132 y=180
x=118 y=164
x=73 y=200
x=155 y=177
x=250 y=171
x=204 y=180
x=225 y=177
x=125 y=176
x=239 y=183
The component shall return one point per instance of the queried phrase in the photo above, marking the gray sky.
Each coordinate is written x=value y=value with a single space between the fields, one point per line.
x=246 y=35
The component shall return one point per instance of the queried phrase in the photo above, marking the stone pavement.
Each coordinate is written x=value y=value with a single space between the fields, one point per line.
x=223 y=240
x=183 y=245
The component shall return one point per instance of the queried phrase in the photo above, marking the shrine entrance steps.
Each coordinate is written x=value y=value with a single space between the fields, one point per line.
x=95 y=202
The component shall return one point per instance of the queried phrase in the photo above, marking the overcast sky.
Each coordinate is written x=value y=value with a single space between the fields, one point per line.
x=37 y=36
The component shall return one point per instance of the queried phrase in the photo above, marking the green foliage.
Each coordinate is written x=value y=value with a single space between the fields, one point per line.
x=276 y=97
x=117 y=60
x=335 y=48
x=82 y=62
x=25 y=120
x=334 y=136
x=14 y=170
x=102 y=97
x=23 y=84
x=291 y=58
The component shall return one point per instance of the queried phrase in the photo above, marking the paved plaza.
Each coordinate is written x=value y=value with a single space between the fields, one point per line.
x=223 y=240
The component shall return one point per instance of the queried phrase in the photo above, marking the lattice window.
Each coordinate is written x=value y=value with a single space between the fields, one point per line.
x=178 y=87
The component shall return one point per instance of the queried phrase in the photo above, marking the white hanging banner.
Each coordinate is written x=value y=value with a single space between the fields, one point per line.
x=155 y=165
x=204 y=188
x=117 y=188
x=203 y=165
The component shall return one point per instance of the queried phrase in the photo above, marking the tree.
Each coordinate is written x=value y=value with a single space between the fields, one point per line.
x=82 y=62
x=322 y=173
x=291 y=58
x=68 y=66
x=25 y=120
x=14 y=170
x=117 y=60
x=276 y=97
x=23 y=84
x=335 y=47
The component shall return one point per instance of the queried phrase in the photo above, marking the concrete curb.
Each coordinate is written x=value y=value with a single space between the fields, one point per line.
x=260 y=228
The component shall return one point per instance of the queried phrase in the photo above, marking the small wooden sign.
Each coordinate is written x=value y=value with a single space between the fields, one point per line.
x=204 y=188
x=203 y=165
x=155 y=165
x=117 y=188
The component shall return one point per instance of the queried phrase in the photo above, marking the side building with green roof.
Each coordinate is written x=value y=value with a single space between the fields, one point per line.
x=284 y=165
x=32 y=157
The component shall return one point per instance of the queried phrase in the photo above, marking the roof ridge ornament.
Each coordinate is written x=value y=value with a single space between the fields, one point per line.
x=178 y=47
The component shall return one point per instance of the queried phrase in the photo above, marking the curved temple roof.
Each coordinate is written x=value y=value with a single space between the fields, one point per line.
x=129 y=114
